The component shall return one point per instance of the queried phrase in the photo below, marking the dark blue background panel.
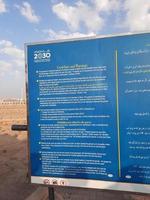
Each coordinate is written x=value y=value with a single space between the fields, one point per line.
x=89 y=110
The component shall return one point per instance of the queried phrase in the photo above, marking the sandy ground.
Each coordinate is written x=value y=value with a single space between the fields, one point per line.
x=13 y=155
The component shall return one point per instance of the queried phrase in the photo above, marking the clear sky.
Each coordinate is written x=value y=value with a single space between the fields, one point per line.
x=44 y=20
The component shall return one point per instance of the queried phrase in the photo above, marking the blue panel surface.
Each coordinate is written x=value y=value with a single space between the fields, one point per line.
x=89 y=109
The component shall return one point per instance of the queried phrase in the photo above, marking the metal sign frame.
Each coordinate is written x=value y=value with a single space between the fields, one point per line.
x=80 y=183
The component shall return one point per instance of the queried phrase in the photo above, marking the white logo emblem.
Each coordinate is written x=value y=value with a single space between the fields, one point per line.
x=42 y=56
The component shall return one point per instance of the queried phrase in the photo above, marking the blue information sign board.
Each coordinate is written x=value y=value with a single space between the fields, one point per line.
x=89 y=112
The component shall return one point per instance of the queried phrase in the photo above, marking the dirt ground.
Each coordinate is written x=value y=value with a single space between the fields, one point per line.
x=13 y=155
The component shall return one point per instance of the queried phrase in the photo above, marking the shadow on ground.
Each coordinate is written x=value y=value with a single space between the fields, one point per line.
x=91 y=194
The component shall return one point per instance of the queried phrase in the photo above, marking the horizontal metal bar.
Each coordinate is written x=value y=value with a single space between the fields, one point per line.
x=86 y=38
x=19 y=127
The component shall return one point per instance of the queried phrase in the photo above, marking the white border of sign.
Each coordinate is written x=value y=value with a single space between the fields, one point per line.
x=83 y=183
x=95 y=184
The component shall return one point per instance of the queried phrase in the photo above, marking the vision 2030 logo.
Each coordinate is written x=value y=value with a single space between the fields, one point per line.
x=42 y=56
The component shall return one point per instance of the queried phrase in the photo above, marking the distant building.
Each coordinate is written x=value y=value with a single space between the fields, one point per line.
x=12 y=101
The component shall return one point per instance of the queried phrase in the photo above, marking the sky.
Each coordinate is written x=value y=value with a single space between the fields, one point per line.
x=44 y=20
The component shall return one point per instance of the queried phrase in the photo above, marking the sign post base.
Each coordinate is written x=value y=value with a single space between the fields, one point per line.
x=51 y=193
